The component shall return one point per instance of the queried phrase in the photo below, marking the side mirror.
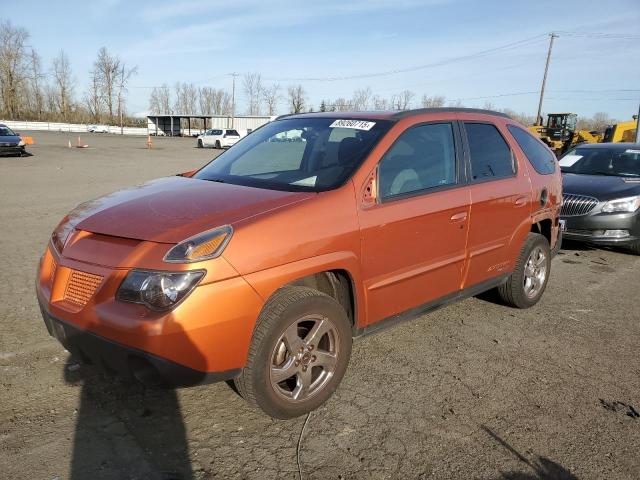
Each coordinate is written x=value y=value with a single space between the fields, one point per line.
x=370 y=189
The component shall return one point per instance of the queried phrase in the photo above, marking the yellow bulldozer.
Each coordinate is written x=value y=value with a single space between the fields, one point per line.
x=561 y=133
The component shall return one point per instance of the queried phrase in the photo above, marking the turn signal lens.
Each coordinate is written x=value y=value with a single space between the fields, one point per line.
x=204 y=246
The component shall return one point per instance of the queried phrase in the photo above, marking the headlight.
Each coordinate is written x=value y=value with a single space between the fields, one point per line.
x=628 y=204
x=204 y=246
x=157 y=290
x=61 y=234
x=21 y=143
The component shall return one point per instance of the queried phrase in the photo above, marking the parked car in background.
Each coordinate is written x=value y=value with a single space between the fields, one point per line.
x=262 y=266
x=601 y=202
x=98 y=129
x=10 y=142
x=218 y=138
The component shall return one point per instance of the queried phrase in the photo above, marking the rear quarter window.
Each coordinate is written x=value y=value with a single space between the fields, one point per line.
x=489 y=152
x=540 y=158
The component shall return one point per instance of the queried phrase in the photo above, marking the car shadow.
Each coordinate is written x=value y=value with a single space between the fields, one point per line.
x=539 y=469
x=127 y=429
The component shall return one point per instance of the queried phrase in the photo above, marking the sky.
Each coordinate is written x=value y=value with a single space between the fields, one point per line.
x=433 y=47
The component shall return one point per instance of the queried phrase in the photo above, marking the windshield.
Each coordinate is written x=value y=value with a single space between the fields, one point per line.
x=6 y=132
x=310 y=154
x=623 y=162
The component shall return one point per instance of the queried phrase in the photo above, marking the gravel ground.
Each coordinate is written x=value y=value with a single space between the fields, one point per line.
x=474 y=390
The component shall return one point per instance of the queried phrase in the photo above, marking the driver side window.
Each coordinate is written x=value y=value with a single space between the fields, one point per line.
x=423 y=157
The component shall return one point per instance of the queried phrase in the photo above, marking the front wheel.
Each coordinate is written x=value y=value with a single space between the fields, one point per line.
x=527 y=283
x=635 y=248
x=299 y=353
x=218 y=145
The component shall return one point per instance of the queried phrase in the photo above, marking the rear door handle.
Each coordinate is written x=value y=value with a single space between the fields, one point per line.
x=459 y=217
x=521 y=202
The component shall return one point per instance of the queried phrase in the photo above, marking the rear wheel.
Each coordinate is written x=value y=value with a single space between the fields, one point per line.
x=299 y=353
x=527 y=283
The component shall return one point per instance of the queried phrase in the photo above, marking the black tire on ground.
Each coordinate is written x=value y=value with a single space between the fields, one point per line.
x=512 y=292
x=218 y=145
x=286 y=307
x=635 y=248
x=200 y=145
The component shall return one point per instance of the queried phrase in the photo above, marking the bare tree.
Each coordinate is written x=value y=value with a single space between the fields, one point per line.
x=434 y=101
x=226 y=103
x=12 y=67
x=362 y=98
x=380 y=103
x=164 y=98
x=402 y=101
x=297 y=98
x=36 y=81
x=271 y=98
x=252 y=85
x=107 y=68
x=206 y=100
x=92 y=97
x=456 y=104
x=63 y=84
x=186 y=98
x=341 y=104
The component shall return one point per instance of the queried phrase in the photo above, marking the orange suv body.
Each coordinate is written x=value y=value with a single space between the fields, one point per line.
x=385 y=214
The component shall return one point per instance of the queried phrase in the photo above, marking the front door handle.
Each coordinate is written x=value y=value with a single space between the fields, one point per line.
x=459 y=217
x=521 y=202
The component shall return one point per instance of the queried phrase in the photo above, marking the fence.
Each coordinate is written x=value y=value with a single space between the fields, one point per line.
x=18 y=126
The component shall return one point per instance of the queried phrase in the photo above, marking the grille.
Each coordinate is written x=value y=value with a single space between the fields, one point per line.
x=52 y=270
x=576 y=205
x=80 y=287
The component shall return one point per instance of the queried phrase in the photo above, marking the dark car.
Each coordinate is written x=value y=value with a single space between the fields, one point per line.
x=601 y=200
x=10 y=142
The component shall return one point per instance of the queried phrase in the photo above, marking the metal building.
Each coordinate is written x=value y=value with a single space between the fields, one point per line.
x=175 y=125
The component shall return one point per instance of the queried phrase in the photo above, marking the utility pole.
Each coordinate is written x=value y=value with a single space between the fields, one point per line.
x=638 y=126
x=544 y=78
x=233 y=97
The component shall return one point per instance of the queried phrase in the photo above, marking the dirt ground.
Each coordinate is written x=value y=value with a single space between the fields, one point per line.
x=474 y=390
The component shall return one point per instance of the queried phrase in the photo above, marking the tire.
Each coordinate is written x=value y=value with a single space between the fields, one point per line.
x=200 y=145
x=281 y=339
x=635 y=248
x=527 y=283
x=218 y=145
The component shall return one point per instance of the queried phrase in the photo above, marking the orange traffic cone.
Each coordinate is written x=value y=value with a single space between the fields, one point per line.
x=149 y=143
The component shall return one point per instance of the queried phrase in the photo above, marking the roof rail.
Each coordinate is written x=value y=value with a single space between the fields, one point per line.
x=418 y=111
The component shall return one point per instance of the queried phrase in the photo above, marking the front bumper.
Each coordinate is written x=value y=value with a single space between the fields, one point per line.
x=204 y=338
x=12 y=150
x=591 y=228
x=127 y=362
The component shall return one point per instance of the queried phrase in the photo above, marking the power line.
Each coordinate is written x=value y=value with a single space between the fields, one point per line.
x=526 y=42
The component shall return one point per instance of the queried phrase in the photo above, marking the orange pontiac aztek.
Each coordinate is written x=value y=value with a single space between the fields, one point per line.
x=262 y=266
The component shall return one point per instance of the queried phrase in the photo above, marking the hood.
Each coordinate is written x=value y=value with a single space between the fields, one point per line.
x=602 y=187
x=168 y=210
x=10 y=140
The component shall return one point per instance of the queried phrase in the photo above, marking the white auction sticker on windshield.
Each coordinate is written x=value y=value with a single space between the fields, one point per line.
x=569 y=160
x=307 y=182
x=630 y=150
x=355 y=124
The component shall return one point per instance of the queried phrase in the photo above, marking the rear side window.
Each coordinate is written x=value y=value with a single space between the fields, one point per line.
x=423 y=157
x=541 y=159
x=233 y=132
x=490 y=155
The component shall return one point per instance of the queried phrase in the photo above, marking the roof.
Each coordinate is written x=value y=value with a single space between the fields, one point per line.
x=392 y=114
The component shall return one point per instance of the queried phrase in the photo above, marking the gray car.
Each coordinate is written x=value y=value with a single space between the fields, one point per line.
x=10 y=142
x=601 y=194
